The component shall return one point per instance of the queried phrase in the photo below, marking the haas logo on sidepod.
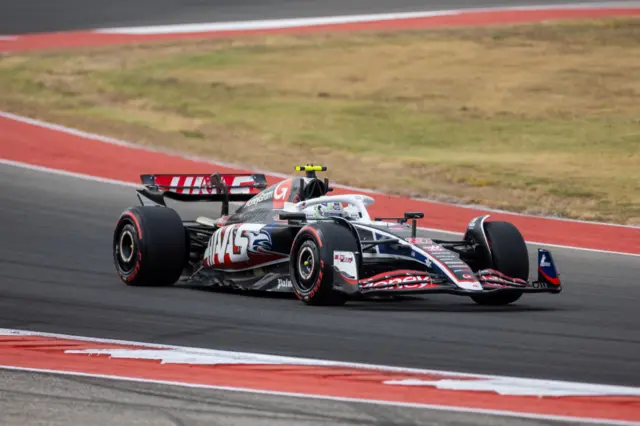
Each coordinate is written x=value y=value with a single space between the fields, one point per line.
x=234 y=243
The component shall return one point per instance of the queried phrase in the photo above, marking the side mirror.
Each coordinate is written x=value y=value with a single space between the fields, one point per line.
x=293 y=216
x=413 y=215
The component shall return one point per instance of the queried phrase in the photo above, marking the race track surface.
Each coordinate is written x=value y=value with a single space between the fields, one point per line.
x=56 y=275
x=30 y=16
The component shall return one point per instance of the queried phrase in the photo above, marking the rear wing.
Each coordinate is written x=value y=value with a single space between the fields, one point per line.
x=217 y=187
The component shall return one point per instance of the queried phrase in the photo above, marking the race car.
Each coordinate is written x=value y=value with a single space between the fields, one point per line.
x=293 y=236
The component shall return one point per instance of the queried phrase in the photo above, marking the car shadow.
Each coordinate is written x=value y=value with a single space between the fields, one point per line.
x=451 y=305
x=442 y=303
x=239 y=292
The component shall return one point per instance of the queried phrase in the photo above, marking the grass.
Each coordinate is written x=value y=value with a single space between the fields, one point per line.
x=541 y=119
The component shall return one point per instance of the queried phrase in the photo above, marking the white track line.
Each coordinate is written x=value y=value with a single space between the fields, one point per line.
x=119 y=142
x=269 y=24
x=339 y=20
x=305 y=361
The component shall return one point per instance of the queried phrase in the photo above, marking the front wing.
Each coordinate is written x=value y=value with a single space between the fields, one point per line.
x=492 y=281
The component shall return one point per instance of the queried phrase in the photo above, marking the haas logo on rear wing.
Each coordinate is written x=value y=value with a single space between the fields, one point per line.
x=199 y=184
x=224 y=188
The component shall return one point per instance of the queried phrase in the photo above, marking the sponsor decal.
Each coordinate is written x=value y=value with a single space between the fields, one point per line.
x=345 y=262
x=419 y=241
x=414 y=286
x=282 y=193
x=199 y=185
x=491 y=276
x=469 y=285
x=284 y=283
x=543 y=261
x=261 y=197
x=546 y=269
x=235 y=243
x=403 y=282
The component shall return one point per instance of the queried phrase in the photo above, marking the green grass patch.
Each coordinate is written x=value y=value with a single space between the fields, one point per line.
x=540 y=118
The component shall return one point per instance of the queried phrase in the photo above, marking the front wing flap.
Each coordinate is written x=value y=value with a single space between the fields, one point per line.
x=492 y=281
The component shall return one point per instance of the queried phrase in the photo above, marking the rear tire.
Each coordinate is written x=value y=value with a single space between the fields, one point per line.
x=509 y=255
x=311 y=262
x=149 y=246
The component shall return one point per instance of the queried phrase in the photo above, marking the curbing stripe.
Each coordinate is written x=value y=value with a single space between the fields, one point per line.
x=134 y=185
x=123 y=143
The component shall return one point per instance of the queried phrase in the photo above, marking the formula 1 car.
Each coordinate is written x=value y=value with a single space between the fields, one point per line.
x=294 y=237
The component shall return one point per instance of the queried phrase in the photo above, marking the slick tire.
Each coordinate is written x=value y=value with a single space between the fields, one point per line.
x=311 y=262
x=509 y=255
x=149 y=246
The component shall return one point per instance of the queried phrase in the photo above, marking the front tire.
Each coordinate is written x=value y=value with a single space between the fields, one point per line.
x=149 y=246
x=510 y=256
x=311 y=262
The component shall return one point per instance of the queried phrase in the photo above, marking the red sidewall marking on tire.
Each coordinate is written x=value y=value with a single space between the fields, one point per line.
x=135 y=222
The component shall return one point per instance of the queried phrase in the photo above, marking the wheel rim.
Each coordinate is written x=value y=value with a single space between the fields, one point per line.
x=127 y=245
x=306 y=266
x=126 y=250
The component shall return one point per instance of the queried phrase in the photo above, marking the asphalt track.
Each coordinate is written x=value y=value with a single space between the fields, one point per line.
x=56 y=275
x=28 y=16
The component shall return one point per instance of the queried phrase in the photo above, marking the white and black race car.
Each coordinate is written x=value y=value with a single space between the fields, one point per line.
x=294 y=237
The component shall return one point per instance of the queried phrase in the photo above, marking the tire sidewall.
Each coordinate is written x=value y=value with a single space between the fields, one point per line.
x=306 y=287
x=161 y=245
x=128 y=223
x=325 y=237
x=307 y=239
x=509 y=251
x=509 y=255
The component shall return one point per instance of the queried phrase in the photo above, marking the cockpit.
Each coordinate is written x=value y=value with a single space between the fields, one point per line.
x=313 y=198
x=310 y=195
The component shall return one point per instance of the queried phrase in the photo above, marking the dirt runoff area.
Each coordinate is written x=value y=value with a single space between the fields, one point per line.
x=542 y=119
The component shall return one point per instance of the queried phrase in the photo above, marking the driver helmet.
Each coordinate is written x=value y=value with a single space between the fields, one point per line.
x=329 y=209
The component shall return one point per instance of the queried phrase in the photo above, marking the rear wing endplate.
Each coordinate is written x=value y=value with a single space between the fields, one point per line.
x=217 y=187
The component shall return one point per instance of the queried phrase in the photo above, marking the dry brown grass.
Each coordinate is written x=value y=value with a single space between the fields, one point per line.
x=537 y=118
